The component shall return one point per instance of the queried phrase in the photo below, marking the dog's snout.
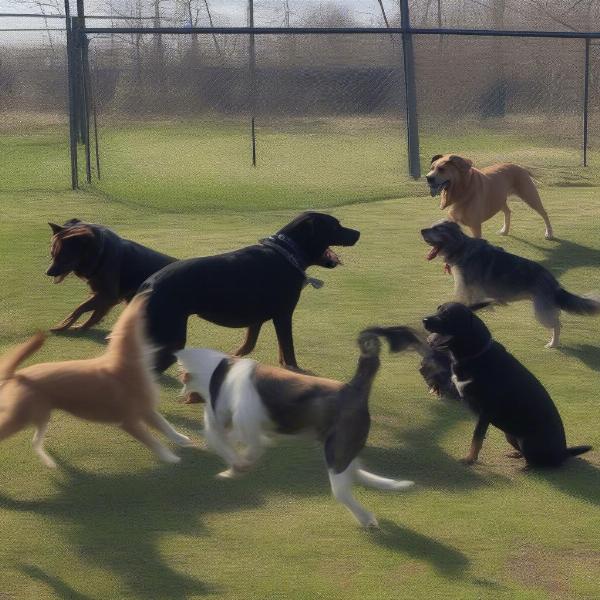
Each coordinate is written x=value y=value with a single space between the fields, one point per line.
x=430 y=178
x=51 y=271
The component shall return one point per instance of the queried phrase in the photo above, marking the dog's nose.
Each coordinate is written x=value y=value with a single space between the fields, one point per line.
x=424 y=231
x=50 y=271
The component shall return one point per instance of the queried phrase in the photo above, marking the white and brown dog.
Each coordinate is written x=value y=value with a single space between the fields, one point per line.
x=246 y=402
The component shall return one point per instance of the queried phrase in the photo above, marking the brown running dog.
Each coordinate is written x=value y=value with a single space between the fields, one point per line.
x=117 y=387
x=476 y=195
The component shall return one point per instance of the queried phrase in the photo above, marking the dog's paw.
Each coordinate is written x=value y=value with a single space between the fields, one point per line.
x=401 y=485
x=514 y=455
x=503 y=231
x=168 y=457
x=468 y=460
x=184 y=441
x=552 y=344
x=49 y=462
x=229 y=474
x=369 y=522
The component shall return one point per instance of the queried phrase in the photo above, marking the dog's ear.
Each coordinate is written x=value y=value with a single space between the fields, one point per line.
x=55 y=228
x=436 y=157
x=463 y=164
x=480 y=305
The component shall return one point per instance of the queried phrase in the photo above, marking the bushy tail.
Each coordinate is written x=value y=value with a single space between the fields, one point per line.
x=13 y=358
x=577 y=450
x=400 y=338
x=577 y=304
x=128 y=339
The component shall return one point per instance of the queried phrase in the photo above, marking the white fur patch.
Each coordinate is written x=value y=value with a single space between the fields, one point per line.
x=460 y=385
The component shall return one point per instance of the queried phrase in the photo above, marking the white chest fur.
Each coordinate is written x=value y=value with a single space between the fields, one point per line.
x=460 y=385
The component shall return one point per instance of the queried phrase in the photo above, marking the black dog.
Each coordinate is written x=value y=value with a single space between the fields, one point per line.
x=499 y=389
x=244 y=288
x=485 y=272
x=113 y=267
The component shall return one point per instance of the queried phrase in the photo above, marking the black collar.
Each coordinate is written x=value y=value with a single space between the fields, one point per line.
x=487 y=346
x=287 y=248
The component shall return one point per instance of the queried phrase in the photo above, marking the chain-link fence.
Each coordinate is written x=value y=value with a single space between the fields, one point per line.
x=166 y=100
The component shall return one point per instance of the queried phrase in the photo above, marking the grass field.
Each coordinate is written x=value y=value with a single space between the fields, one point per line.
x=113 y=523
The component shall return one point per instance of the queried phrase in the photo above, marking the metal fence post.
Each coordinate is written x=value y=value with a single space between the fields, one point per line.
x=586 y=99
x=252 y=67
x=71 y=96
x=412 y=123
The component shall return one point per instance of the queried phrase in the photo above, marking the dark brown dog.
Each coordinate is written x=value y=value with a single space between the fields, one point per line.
x=113 y=267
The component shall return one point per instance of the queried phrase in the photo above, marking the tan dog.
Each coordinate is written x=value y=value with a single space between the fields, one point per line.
x=117 y=387
x=475 y=195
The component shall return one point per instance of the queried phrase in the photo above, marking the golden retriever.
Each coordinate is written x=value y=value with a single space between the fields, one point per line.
x=117 y=387
x=476 y=195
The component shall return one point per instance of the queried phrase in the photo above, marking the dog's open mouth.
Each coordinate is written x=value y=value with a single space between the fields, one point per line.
x=330 y=259
x=435 y=250
x=59 y=278
x=437 y=188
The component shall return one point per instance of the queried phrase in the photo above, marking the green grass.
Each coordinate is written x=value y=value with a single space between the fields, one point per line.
x=112 y=523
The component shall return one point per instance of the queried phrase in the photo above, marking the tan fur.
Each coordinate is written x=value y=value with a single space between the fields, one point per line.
x=117 y=387
x=476 y=195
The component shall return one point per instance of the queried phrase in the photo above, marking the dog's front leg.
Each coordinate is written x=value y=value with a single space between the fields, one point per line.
x=477 y=441
x=99 y=313
x=250 y=341
x=283 y=329
x=91 y=304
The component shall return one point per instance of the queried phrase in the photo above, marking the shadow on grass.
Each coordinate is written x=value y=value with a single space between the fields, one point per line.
x=446 y=561
x=421 y=457
x=564 y=255
x=59 y=587
x=589 y=355
x=93 y=335
x=576 y=477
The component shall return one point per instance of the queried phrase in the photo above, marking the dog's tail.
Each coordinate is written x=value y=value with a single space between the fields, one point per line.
x=128 y=340
x=577 y=450
x=577 y=304
x=400 y=338
x=13 y=358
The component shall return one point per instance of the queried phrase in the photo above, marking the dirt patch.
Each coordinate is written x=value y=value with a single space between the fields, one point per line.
x=550 y=569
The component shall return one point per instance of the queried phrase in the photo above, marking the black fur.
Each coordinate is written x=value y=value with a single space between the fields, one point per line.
x=499 y=389
x=113 y=267
x=244 y=288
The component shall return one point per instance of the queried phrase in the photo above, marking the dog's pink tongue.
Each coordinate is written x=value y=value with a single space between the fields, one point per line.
x=433 y=253
x=329 y=254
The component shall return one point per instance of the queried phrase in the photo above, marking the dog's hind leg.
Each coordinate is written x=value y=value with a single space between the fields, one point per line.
x=156 y=420
x=341 y=487
x=137 y=430
x=547 y=313
x=381 y=483
x=514 y=442
x=527 y=191
x=506 y=227
x=250 y=341
x=38 y=442
x=216 y=438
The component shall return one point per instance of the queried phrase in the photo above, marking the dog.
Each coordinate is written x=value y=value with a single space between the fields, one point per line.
x=499 y=389
x=476 y=195
x=244 y=288
x=482 y=271
x=247 y=403
x=113 y=267
x=117 y=387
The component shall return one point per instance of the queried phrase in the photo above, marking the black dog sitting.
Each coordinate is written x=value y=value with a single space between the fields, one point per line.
x=244 y=288
x=113 y=267
x=499 y=389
